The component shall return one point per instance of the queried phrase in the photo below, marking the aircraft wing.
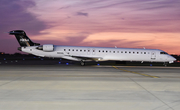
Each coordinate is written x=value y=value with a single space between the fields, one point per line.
x=87 y=58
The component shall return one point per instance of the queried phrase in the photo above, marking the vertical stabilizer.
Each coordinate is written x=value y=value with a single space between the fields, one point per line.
x=22 y=38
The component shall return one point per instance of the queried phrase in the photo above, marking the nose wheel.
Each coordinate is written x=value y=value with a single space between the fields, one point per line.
x=82 y=63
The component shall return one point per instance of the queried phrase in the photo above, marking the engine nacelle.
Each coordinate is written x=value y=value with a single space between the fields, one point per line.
x=46 y=47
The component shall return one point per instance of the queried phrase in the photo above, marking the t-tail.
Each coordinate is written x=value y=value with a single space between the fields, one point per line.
x=22 y=38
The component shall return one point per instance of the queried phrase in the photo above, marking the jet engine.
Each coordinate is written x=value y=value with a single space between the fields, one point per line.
x=46 y=47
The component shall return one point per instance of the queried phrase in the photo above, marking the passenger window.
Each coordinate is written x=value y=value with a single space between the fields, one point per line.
x=129 y=52
x=137 y=52
x=144 y=52
x=64 y=49
x=114 y=51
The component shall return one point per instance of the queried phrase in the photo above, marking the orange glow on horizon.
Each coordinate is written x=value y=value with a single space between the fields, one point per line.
x=127 y=40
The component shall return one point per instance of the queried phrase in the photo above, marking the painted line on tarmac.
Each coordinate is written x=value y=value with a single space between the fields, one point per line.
x=135 y=72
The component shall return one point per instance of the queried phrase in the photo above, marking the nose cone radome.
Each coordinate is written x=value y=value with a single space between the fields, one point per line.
x=172 y=59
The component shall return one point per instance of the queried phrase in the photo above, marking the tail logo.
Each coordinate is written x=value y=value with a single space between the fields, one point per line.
x=24 y=40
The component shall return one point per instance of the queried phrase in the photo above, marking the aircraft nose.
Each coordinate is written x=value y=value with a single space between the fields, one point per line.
x=172 y=59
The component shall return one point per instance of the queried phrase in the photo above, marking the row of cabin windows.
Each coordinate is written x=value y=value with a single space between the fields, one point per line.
x=124 y=52
x=105 y=51
x=78 y=50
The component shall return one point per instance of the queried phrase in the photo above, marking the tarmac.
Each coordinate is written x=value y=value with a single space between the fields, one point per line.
x=73 y=87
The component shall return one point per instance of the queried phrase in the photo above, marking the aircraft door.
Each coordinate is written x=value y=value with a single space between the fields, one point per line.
x=153 y=55
x=93 y=51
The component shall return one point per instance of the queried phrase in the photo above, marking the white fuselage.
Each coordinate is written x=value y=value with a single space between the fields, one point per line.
x=78 y=53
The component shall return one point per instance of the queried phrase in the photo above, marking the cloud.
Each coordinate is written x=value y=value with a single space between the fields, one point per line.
x=112 y=15
x=64 y=20
x=81 y=14
x=15 y=16
x=64 y=7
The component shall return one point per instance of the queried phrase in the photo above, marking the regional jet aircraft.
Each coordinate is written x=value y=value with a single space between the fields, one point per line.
x=82 y=54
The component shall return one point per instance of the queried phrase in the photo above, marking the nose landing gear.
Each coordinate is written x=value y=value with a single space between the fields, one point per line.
x=82 y=63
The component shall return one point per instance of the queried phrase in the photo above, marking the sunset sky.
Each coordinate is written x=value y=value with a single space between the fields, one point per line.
x=153 y=24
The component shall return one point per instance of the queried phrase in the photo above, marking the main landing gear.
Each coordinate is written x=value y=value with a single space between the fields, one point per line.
x=82 y=63
x=165 y=63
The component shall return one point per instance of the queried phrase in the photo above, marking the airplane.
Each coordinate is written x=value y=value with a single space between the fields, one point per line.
x=82 y=53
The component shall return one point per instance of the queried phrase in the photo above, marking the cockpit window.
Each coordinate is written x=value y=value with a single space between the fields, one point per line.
x=163 y=53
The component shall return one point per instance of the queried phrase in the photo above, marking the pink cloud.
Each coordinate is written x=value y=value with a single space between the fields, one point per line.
x=73 y=22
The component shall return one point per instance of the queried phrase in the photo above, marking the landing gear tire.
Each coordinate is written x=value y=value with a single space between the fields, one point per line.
x=165 y=64
x=82 y=63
